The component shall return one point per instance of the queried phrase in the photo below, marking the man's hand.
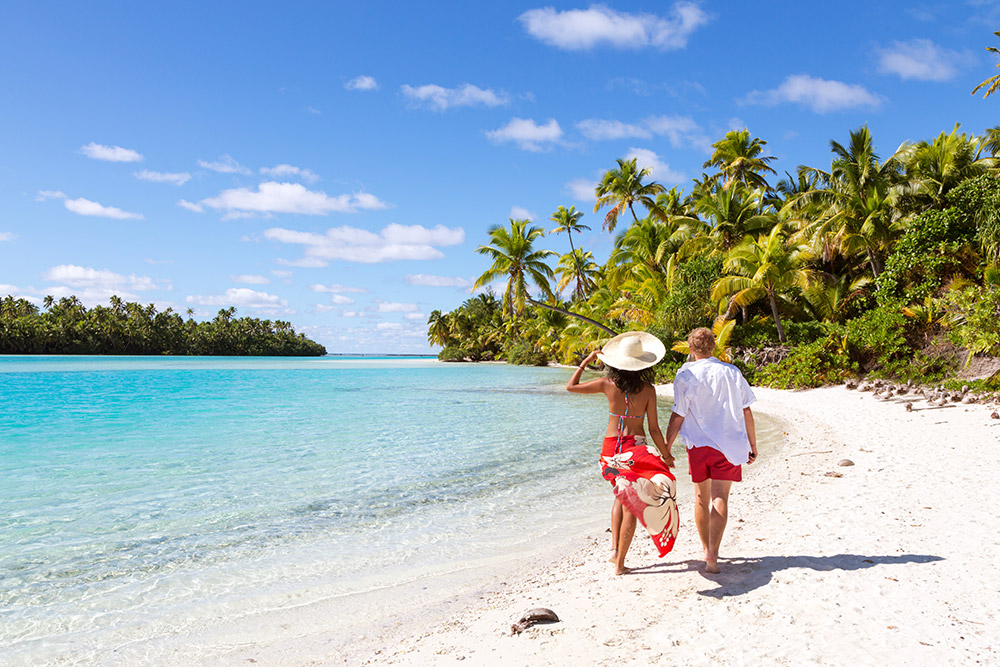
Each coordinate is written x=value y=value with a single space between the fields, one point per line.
x=753 y=453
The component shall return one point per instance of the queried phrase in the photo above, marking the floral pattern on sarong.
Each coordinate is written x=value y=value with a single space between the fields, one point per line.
x=645 y=486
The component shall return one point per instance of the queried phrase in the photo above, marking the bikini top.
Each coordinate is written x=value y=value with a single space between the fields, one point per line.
x=621 y=423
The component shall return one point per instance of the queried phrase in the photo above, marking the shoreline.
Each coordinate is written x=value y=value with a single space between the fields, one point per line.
x=822 y=564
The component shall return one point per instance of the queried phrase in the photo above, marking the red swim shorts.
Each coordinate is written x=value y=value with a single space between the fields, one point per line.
x=709 y=463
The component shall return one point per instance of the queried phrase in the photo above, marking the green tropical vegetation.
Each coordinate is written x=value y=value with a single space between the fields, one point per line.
x=66 y=326
x=885 y=265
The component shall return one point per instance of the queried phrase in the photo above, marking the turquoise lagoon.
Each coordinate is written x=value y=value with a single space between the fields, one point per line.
x=177 y=509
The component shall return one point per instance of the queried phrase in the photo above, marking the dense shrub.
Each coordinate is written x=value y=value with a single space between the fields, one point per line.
x=761 y=332
x=976 y=313
x=811 y=365
x=689 y=304
x=978 y=201
x=526 y=354
x=935 y=247
x=452 y=353
x=878 y=337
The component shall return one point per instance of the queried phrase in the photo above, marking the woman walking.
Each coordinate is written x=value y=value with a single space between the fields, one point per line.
x=642 y=484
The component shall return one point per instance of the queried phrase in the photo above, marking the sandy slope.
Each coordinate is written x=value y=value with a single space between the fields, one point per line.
x=895 y=562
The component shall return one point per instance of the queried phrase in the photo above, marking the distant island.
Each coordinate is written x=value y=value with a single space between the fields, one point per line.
x=66 y=326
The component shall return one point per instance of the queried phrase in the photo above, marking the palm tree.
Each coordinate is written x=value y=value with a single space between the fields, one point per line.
x=858 y=212
x=438 y=332
x=513 y=254
x=730 y=215
x=578 y=267
x=622 y=188
x=991 y=84
x=738 y=159
x=933 y=168
x=763 y=268
x=568 y=220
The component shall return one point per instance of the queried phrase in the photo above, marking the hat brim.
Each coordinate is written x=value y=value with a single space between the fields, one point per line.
x=652 y=351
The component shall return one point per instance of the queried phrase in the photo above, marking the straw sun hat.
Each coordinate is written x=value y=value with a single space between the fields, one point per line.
x=632 y=351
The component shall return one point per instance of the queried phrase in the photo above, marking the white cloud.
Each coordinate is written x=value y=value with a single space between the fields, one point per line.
x=225 y=165
x=337 y=289
x=283 y=170
x=363 y=82
x=598 y=130
x=322 y=308
x=191 y=206
x=179 y=178
x=110 y=153
x=6 y=236
x=250 y=279
x=681 y=131
x=281 y=273
x=393 y=307
x=435 y=281
x=921 y=59
x=340 y=299
x=820 y=95
x=580 y=29
x=521 y=213
x=49 y=194
x=527 y=134
x=581 y=189
x=240 y=297
x=394 y=242
x=660 y=171
x=382 y=326
x=439 y=98
x=83 y=206
x=414 y=316
x=272 y=197
x=85 y=277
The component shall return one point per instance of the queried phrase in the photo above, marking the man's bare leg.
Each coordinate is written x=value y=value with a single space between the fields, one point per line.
x=711 y=512
x=616 y=528
x=624 y=540
x=702 y=514
x=717 y=521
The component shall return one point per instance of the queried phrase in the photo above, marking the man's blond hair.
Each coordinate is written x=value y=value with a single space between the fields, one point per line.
x=701 y=342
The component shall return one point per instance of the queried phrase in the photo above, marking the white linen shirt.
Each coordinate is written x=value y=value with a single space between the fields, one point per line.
x=710 y=395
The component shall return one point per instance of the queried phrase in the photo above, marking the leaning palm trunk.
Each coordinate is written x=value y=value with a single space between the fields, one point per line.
x=572 y=314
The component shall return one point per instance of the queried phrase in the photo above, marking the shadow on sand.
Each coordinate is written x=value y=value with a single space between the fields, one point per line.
x=742 y=575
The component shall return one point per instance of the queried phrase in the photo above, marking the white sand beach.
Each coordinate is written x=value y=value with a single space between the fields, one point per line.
x=893 y=561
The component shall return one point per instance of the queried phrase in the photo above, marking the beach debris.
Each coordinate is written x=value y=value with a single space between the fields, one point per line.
x=965 y=388
x=969 y=399
x=865 y=387
x=851 y=384
x=531 y=617
x=994 y=416
x=833 y=474
x=845 y=462
x=909 y=406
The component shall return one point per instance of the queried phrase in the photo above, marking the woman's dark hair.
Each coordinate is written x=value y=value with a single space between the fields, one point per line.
x=630 y=382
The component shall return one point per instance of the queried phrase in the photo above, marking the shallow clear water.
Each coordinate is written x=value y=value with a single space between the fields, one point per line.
x=174 y=510
x=145 y=497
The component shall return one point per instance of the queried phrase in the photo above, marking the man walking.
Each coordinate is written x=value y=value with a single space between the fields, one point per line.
x=711 y=413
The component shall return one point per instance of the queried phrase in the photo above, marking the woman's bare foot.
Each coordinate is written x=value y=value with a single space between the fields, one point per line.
x=621 y=569
x=711 y=563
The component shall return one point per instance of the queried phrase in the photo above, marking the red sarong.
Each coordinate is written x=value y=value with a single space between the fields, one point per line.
x=643 y=483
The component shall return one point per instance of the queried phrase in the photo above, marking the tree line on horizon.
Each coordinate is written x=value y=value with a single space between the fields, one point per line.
x=869 y=265
x=66 y=326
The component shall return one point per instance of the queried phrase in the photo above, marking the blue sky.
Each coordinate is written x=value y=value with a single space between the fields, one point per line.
x=336 y=164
